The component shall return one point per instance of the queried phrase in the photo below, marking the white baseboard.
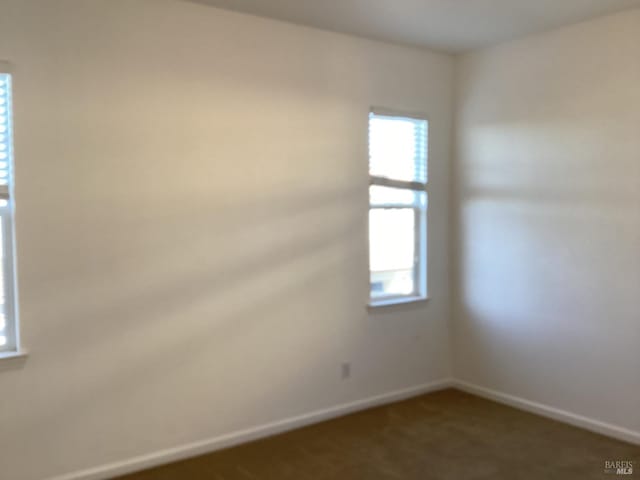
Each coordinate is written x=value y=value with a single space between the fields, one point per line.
x=209 y=445
x=202 y=447
x=597 y=426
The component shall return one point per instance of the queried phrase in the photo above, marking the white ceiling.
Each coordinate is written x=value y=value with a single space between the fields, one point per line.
x=449 y=25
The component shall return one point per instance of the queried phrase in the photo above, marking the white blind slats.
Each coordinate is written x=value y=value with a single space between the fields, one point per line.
x=5 y=130
x=398 y=148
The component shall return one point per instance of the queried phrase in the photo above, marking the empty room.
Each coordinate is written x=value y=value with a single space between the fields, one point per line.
x=319 y=239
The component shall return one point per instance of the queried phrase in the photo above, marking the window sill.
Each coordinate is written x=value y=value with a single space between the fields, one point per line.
x=13 y=357
x=393 y=302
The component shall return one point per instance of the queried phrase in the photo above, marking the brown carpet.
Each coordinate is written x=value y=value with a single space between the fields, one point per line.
x=444 y=435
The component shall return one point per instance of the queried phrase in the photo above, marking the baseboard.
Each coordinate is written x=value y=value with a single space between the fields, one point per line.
x=243 y=436
x=183 y=452
x=597 y=426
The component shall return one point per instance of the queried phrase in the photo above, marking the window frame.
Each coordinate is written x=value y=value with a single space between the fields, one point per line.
x=7 y=220
x=420 y=264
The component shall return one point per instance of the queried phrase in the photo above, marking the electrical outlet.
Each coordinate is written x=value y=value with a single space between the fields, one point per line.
x=345 y=370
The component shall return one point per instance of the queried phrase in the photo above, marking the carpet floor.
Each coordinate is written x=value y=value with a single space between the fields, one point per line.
x=447 y=435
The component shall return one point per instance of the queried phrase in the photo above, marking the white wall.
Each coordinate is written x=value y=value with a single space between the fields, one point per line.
x=192 y=204
x=548 y=189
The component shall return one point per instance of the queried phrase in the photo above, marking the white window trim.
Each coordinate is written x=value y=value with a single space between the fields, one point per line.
x=12 y=349
x=422 y=294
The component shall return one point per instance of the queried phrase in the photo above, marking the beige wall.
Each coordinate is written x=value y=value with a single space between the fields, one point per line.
x=548 y=183
x=192 y=201
x=192 y=204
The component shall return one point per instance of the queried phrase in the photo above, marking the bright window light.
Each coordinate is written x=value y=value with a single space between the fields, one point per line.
x=8 y=321
x=397 y=208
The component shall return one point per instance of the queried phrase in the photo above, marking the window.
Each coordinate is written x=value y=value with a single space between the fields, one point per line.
x=8 y=325
x=397 y=208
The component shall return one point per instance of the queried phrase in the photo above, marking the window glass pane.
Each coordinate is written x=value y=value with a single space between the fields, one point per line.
x=398 y=148
x=3 y=259
x=392 y=242
x=8 y=328
x=3 y=318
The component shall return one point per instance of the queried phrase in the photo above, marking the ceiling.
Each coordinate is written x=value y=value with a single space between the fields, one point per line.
x=447 y=25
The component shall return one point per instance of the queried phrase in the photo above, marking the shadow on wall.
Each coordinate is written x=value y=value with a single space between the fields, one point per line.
x=226 y=279
x=548 y=251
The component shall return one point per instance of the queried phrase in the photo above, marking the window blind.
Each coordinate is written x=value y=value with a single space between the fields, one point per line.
x=5 y=133
x=398 y=148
